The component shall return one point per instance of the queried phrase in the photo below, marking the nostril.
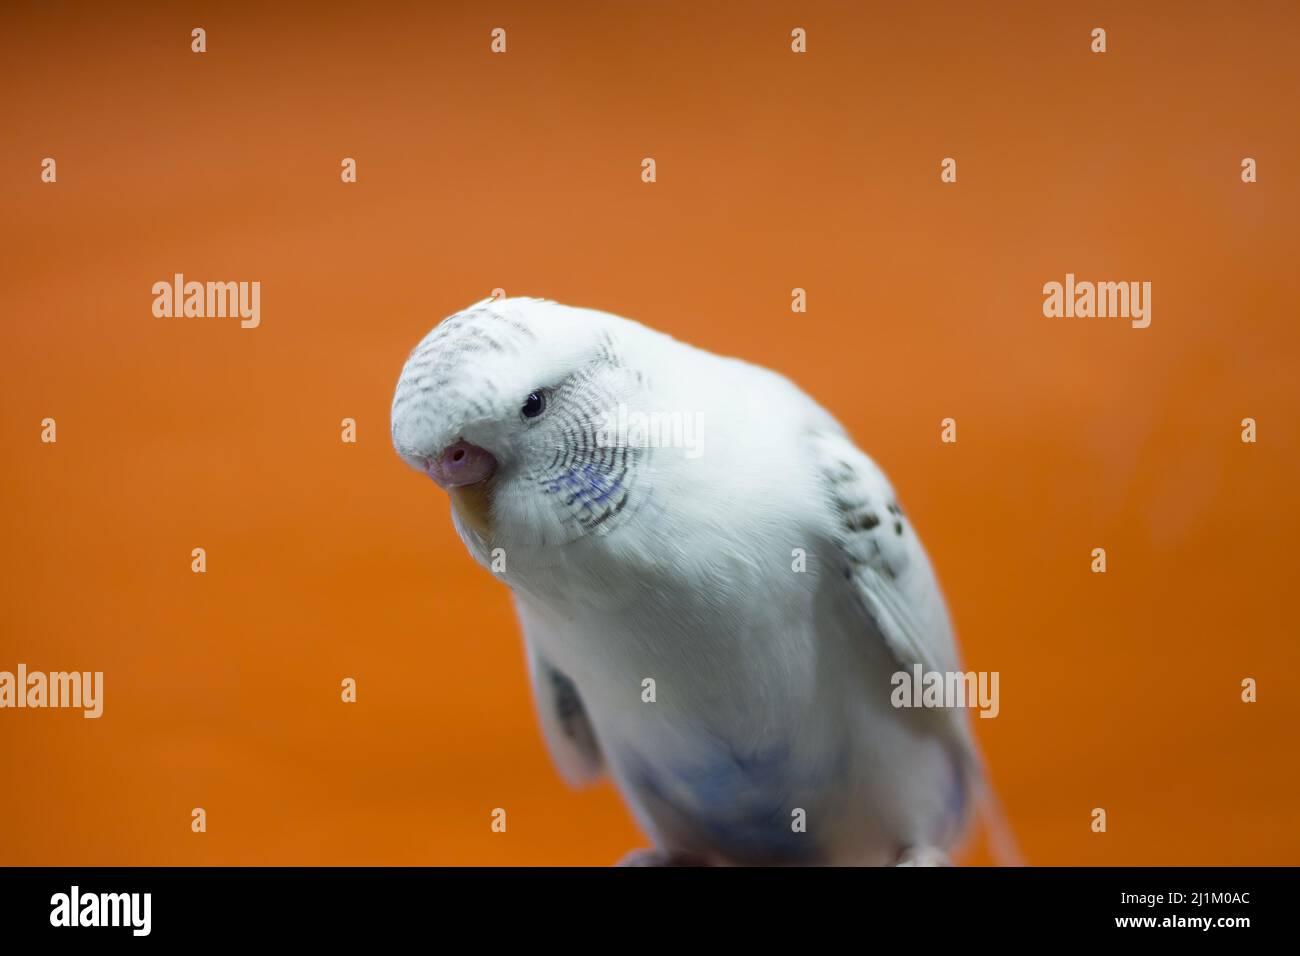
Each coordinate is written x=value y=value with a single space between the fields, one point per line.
x=461 y=463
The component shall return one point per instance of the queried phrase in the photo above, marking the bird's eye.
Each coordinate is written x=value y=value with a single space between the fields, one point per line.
x=534 y=404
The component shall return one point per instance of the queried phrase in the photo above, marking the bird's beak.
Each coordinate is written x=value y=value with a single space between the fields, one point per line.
x=461 y=464
x=465 y=472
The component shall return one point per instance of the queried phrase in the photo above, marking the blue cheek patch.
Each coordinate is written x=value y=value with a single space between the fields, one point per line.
x=588 y=486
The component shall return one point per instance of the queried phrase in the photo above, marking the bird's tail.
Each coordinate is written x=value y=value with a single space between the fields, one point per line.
x=998 y=835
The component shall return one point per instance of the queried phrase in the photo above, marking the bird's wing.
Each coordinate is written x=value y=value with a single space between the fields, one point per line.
x=565 y=724
x=890 y=577
x=881 y=557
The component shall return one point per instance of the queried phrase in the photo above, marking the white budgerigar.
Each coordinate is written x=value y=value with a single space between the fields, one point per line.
x=716 y=586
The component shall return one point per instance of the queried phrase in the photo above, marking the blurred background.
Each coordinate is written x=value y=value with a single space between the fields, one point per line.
x=522 y=171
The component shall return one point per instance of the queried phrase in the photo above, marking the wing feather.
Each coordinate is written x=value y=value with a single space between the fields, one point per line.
x=889 y=573
x=882 y=558
x=566 y=727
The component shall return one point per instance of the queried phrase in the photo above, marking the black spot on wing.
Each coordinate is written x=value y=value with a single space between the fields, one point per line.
x=863 y=522
x=858 y=521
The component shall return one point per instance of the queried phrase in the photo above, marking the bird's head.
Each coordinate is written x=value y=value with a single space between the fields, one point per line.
x=505 y=406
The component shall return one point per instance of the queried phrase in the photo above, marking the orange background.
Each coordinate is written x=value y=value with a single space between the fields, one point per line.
x=522 y=171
